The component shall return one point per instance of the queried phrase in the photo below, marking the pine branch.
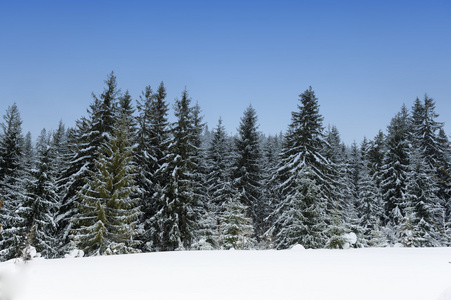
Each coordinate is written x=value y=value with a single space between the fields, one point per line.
x=443 y=169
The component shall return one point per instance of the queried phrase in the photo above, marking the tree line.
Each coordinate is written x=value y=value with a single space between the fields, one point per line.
x=125 y=180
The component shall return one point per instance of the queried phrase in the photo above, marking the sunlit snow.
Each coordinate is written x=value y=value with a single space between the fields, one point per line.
x=384 y=273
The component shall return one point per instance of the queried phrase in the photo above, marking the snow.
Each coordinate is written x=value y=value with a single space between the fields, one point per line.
x=297 y=247
x=372 y=273
x=351 y=239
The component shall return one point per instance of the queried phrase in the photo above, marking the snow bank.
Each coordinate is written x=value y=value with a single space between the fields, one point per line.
x=297 y=247
x=385 y=273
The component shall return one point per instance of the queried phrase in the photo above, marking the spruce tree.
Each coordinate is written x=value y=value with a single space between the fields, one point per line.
x=173 y=225
x=11 y=190
x=394 y=172
x=369 y=205
x=41 y=201
x=302 y=217
x=247 y=168
x=84 y=143
x=304 y=169
x=354 y=170
x=302 y=146
x=433 y=150
x=236 y=229
x=109 y=213
x=153 y=137
x=219 y=167
x=423 y=204
x=375 y=156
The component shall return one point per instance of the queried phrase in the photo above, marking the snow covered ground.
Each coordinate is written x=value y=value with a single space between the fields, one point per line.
x=385 y=273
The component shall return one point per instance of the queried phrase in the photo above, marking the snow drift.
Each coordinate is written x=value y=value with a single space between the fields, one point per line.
x=384 y=273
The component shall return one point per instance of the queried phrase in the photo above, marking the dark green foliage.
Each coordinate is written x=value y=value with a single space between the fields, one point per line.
x=143 y=184
x=394 y=171
x=247 y=172
x=236 y=229
x=153 y=137
x=109 y=214
x=302 y=217
x=173 y=224
x=40 y=204
x=11 y=172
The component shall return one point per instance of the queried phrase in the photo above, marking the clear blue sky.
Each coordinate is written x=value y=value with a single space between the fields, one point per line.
x=364 y=59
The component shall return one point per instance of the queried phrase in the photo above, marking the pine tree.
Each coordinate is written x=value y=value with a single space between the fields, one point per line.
x=444 y=187
x=41 y=201
x=375 y=156
x=236 y=229
x=84 y=143
x=11 y=172
x=303 y=144
x=337 y=154
x=173 y=225
x=354 y=170
x=152 y=149
x=247 y=168
x=126 y=110
x=302 y=169
x=302 y=217
x=394 y=172
x=219 y=160
x=109 y=215
x=430 y=141
x=423 y=204
x=270 y=196
x=369 y=205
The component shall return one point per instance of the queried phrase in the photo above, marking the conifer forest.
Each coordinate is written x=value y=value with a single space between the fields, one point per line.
x=125 y=179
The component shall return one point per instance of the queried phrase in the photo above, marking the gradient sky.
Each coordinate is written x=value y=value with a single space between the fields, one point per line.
x=364 y=59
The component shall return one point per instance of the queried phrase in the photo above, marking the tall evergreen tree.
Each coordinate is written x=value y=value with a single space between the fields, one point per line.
x=433 y=149
x=247 y=168
x=302 y=217
x=40 y=204
x=84 y=143
x=305 y=172
x=152 y=149
x=109 y=213
x=303 y=144
x=369 y=205
x=375 y=156
x=219 y=166
x=11 y=172
x=173 y=224
x=394 y=172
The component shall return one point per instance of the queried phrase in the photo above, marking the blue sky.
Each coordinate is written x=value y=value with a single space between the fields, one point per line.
x=364 y=59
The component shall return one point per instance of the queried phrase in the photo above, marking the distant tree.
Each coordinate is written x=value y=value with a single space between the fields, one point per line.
x=219 y=168
x=375 y=156
x=425 y=211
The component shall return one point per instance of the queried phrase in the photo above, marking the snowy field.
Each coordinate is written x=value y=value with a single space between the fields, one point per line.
x=384 y=273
